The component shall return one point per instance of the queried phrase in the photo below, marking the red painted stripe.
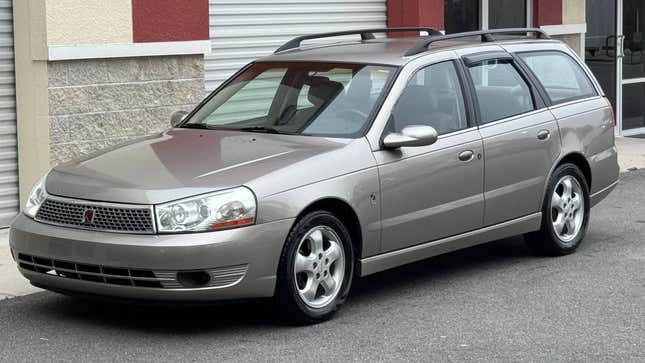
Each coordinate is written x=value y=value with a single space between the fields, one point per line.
x=169 y=20
x=547 y=12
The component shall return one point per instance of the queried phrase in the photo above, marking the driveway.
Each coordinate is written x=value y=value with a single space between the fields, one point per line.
x=493 y=302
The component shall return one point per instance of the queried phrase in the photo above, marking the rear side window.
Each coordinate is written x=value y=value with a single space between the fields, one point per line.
x=561 y=76
x=501 y=91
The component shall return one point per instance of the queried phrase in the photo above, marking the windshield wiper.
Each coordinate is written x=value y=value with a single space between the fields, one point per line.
x=268 y=130
x=196 y=126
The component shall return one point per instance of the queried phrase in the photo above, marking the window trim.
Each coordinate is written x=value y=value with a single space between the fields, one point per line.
x=471 y=121
x=539 y=84
x=538 y=101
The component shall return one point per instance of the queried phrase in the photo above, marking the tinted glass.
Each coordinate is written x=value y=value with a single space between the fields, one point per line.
x=506 y=14
x=501 y=91
x=633 y=110
x=461 y=15
x=561 y=76
x=318 y=99
x=433 y=97
x=634 y=31
x=600 y=44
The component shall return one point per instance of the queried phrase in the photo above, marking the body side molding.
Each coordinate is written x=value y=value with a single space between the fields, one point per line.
x=422 y=251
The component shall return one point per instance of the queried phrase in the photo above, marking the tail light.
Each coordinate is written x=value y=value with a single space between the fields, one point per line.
x=613 y=119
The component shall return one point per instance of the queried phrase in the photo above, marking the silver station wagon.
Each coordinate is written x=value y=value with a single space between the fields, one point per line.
x=323 y=162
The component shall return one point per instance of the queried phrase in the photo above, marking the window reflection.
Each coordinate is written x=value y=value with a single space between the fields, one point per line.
x=461 y=15
x=506 y=14
x=633 y=29
x=600 y=44
x=633 y=111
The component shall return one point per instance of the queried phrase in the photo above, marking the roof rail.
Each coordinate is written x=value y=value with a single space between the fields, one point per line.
x=486 y=36
x=365 y=34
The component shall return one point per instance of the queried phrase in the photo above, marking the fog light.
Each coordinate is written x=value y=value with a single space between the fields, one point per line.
x=192 y=279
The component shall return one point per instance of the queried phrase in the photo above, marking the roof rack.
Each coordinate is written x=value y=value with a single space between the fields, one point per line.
x=366 y=34
x=486 y=36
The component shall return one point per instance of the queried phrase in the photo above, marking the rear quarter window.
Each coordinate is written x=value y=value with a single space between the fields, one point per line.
x=562 y=78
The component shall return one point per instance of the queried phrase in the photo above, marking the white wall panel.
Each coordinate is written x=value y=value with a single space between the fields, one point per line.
x=8 y=145
x=244 y=30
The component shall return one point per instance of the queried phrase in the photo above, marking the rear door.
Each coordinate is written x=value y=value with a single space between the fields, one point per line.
x=520 y=136
x=584 y=117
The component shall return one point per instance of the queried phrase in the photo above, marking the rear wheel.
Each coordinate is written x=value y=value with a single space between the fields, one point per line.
x=316 y=268
x=565 y=213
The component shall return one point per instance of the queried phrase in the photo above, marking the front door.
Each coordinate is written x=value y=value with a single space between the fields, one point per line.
x=435 y=191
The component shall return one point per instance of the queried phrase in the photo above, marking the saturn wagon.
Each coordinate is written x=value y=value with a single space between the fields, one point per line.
x=331 y=160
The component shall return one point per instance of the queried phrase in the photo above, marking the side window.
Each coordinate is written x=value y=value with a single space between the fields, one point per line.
x=561 y=76
x=501 y=91
x=432 y=97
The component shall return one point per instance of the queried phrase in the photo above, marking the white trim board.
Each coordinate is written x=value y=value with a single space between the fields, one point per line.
x=57 y=53
x=563 y=29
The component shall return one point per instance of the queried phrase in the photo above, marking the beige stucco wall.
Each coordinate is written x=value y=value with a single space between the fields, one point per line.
x=573 y=11
x=77 y=22
x=32 y=104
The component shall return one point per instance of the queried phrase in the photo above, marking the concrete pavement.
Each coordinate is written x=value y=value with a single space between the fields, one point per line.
x=631 y=153
x=12 y=284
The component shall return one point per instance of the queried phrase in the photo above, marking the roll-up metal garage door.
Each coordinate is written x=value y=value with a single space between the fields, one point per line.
x=8 y=145
x=244 y=30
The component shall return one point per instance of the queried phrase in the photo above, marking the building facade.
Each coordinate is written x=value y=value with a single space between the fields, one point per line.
x=91 y=74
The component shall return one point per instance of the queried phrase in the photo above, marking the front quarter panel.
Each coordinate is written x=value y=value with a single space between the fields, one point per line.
x=358 y=188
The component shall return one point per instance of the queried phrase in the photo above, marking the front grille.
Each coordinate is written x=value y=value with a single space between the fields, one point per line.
x=107 y=217
x=219 y=277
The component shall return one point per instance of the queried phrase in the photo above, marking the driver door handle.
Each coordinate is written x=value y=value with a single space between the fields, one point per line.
x=466 y=155
x=543 y=135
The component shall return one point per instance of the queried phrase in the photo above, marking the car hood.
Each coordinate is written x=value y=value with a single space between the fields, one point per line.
x=186 y=162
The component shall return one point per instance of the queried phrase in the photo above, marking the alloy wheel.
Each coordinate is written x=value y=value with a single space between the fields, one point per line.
x=319 y=266
x=567 y=208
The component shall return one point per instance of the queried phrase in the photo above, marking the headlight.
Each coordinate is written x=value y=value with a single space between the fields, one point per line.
x=36 y=198
x=209 y=212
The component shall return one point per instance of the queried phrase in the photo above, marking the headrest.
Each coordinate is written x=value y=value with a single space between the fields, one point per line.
x=322 y=89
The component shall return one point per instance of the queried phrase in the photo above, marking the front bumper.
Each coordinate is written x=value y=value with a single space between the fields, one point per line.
x=253 y=251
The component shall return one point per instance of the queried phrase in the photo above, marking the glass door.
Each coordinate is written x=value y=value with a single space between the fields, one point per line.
x=631 y=68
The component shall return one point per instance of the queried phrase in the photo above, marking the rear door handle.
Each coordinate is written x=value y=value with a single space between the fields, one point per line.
x=543 y=135
x=466 y=155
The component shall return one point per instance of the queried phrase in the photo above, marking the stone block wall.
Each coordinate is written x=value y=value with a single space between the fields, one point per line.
x=97 y=103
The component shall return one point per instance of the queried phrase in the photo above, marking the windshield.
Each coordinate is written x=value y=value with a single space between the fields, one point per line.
x=318 y=99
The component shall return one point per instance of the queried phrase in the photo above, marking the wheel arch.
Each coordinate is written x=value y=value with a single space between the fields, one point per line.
x=345 y=212
x=578 y=160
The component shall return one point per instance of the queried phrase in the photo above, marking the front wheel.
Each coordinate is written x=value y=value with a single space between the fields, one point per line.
x=316 y=268
x=565 y=213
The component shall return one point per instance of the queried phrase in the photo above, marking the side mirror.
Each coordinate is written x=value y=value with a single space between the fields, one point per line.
x=414 y=135
x=177 y=117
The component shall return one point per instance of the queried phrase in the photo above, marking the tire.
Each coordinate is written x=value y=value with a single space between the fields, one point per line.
x=557 y=236
x=296 y=300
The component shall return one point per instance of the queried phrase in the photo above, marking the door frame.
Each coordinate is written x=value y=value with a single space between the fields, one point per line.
x=620 y=82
